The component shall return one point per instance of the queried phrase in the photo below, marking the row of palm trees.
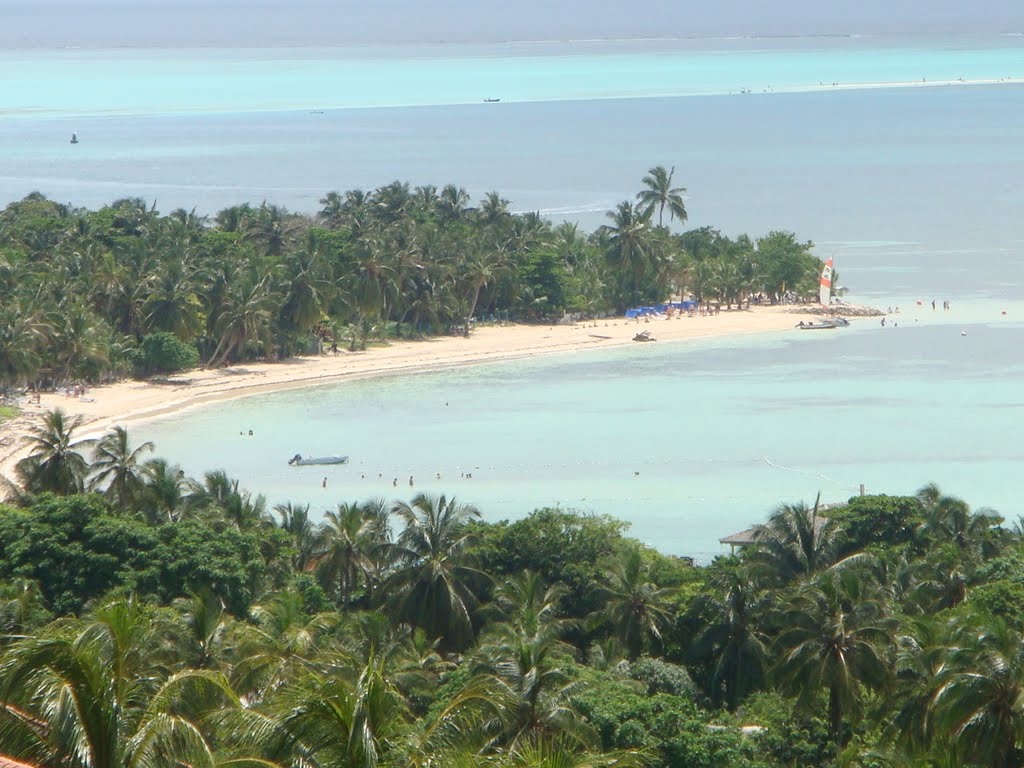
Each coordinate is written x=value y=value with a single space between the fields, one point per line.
x=80 y=290
x=135 y=685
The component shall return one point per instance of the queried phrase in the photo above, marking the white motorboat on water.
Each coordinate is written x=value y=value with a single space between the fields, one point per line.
x=298 y=461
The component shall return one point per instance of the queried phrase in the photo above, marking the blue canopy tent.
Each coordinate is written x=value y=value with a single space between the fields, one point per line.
x=660 y=309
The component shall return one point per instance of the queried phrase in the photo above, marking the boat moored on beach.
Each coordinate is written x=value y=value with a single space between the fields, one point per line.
x=823 y=325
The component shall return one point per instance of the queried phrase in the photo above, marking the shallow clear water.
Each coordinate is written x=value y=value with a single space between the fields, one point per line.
x=89 y=83
x=718 y=433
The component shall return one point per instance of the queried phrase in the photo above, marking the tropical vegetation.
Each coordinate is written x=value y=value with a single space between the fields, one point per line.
x=148 y=618
x=125 y=290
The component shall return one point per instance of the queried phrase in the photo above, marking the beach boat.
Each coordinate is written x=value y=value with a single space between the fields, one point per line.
x=74 y=138
x=298 y=461
x=825 y=298
x=825 y=285
x=820 y=325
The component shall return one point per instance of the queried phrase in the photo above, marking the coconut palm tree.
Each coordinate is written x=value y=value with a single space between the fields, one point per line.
x=452 y=203
x=244 y=317
x=350 y=546
x=168 y=491
x=272 y=228
x=943 y=578
x=796 y=542
x=233 y=218
x=736 y=638
x=479 y=270
x=628 y=250
x=184 y=227
x=21 y=337
x=493 y=211
x=296 y=523
x=173 y=304
x=116 y=465
x=661 y=194
x=430 y=587
x=409 y=658
x=346 y=719
x=99 y=693
x=200 y=635
x=239 y=507
x=54 y=462
x=980 y=701
x=924 y=649
x=634 y=606
x=332 y=213
x=307 y=289
x=279 y=645
x=392 y=202
x=523 y=680
x=78 y=342
x=949 y=519
x=561 y=752
x=356 y=213
x=525 y=602
x=22 y=608
x=837 y=637
x=369 y=284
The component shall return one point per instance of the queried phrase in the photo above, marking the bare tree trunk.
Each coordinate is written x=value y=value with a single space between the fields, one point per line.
x=472 y=307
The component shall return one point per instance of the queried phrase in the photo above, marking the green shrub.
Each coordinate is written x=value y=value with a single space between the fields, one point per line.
x=163 y=352
x=662 y=677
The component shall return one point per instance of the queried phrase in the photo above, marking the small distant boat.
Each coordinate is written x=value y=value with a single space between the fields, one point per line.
x=74 y=138
x=298 y=461
x=491 y=101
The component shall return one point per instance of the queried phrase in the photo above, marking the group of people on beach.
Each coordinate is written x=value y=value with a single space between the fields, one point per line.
x=72 y=390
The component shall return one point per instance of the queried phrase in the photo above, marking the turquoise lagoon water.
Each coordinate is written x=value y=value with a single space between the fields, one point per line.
x=74 y=83
x=915 y=191
x=718 y=432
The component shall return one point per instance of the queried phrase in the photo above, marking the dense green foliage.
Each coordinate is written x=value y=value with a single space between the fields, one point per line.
x=163 y=352
x=151 y=619
x=88 y=295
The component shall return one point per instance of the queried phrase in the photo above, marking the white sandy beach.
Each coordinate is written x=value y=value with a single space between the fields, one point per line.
x=131 y=402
